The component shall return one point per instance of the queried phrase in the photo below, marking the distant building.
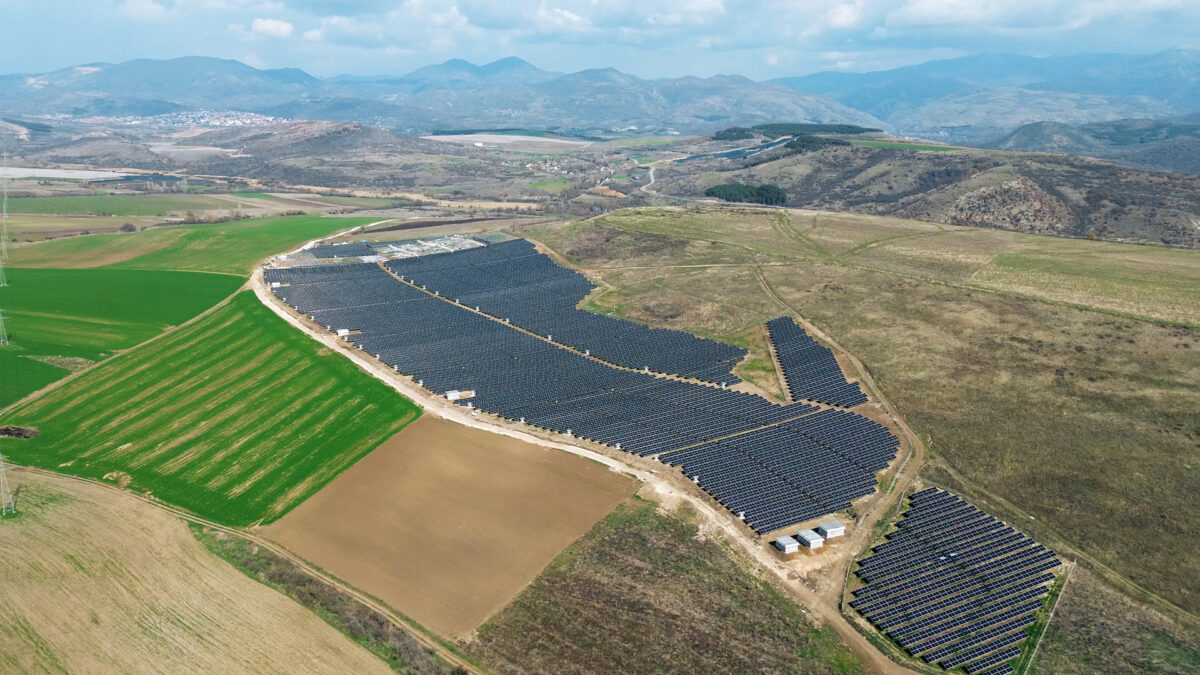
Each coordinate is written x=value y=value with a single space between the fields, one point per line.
x=787 y=544
x=810 y=539
x=831 y=528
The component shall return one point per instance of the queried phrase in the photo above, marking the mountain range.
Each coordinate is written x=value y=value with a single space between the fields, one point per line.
x=454 y=94
x=974 y=99
x=982 y=97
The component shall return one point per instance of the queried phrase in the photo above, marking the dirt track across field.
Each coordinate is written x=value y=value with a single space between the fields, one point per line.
x=447 y=523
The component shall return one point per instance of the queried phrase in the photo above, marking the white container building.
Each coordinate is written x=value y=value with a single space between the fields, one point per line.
x=810 y=539
x=787 y=545
x=831 y=528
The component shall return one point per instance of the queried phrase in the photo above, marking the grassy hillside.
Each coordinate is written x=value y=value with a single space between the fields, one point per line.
x=643 y=591
x=1035 y=372
x=60 y=319
x=1044 y=194
x=228 y=248
x=1097 y=630
x=237 y=417
x=100 y=582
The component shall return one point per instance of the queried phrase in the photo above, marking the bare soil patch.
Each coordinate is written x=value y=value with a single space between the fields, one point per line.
x=447 y=523
x=18 y=432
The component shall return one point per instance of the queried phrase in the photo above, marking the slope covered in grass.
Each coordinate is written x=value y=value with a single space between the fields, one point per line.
x=237 y=417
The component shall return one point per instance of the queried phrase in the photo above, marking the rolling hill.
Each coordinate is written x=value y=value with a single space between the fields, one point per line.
x=1045 y=194
x=1172 y=145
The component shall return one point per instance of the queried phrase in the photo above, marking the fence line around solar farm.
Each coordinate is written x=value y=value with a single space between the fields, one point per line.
x=520 y=377
x=954 y=585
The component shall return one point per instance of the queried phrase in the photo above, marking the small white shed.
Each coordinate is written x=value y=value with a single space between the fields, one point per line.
x=787 y=544
x=343 y=332
x=810 y=539
x=831 y=528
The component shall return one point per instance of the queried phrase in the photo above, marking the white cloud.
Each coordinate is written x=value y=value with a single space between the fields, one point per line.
x=313 y=35
x=272 y=28
x=143 y=10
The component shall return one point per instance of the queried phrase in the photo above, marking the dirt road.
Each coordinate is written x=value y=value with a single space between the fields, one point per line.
x=822 y=603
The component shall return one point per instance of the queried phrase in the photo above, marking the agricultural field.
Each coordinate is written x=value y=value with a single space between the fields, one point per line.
x=552 y=186
x=228 y=248
x=58 y=320
x=116 y=205
x=644 y=587
x=99 y=581
x=447 y=523
x=1036 y=378
x=237 y=417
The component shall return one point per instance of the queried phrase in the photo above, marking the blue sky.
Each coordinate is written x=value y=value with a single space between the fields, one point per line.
x=649 y=38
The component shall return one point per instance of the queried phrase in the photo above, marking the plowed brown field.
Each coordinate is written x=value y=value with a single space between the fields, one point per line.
x=447 y=523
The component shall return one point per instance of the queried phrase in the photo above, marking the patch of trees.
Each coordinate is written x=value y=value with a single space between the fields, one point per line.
x=805 y=143
x=734 y=134
x=771 y=195
x=795 y=128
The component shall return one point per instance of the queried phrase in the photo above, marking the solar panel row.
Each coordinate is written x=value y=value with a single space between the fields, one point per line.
x=512 y=280
x=774 y=465
x=810 y=369
x=952 y=584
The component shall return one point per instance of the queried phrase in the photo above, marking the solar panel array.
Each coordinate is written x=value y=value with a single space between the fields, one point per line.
x=807 y=467
x=776 y=465
x=511 y=280
x=810 y=369
x=342 y=251
x=954 y=585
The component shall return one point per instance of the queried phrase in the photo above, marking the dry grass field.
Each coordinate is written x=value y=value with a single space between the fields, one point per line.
x=1097 y=630
x=645 y=591
x=98 y=581
x=1059 y=375
x=447 y=523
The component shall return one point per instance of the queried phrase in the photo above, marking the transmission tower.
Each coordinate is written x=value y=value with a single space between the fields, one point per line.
x=8 y=503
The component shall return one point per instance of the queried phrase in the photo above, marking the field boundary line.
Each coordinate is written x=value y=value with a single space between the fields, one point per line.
x=395 y=618
x=71 y=377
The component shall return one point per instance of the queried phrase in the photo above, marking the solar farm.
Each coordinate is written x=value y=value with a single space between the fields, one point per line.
x=498 y=324
x=955 y=586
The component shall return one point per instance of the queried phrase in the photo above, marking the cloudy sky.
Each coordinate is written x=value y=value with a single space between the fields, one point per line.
x=650 y=38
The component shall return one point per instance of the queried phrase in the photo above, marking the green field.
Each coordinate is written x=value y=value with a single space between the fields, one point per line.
x=1057 y=379
x=229 y=248
x=116 y=205
x=237 y=417
x=902 y=146
x=88 y=314
x=554 y=185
